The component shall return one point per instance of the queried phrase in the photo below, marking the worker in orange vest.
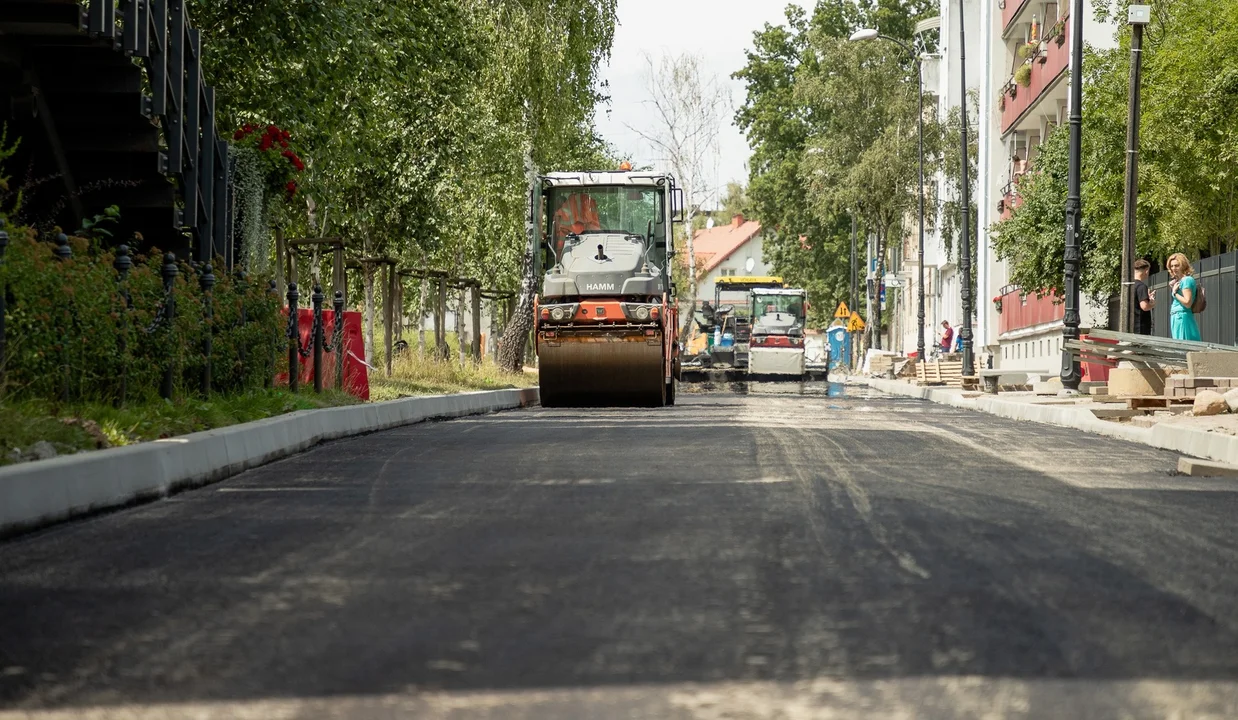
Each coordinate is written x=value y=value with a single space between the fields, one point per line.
x=577 y=214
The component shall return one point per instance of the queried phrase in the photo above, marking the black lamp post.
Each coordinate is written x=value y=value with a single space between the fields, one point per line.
x=969 y=365
x=1071 y=372
x=1138 y=16
x=870 y=34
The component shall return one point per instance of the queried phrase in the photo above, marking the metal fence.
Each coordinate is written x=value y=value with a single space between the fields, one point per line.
x=159 y=34
x=1219 y=322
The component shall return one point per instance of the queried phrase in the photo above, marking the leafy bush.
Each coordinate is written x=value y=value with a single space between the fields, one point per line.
x=68 y=322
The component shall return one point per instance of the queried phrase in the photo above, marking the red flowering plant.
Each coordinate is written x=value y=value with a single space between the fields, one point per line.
x=281 y=165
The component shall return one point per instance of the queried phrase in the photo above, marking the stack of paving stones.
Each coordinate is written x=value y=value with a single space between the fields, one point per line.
x=1185 y=386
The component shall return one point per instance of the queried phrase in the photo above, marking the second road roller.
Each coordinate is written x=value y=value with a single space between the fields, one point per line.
x=606 y=318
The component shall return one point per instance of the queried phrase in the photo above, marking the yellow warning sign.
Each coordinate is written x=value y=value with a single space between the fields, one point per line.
x=842 y=313
x=856 y=323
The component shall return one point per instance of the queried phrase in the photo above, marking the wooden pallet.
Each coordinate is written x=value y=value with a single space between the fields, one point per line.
x=940 y=373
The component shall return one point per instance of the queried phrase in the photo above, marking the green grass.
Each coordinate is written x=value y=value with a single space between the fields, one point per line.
x=413 y=374
x=90 y=425
x=69 y=427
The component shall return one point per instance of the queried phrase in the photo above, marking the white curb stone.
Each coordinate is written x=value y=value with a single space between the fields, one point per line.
x=1166 y=436
x=47 y=491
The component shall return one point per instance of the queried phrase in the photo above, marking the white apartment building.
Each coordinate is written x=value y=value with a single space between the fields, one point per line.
x=1018 y=60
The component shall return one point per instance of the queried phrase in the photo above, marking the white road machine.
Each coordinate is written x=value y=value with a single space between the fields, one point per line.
x=776 y=349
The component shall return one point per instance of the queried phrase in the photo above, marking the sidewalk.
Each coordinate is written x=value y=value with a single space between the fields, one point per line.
x=1210 y=438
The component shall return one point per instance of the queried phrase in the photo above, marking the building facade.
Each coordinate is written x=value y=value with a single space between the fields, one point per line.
x=736 y=248
x=1018 y=64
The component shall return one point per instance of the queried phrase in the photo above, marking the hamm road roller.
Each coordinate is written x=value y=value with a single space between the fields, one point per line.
x=776 y=346
x=606 y=318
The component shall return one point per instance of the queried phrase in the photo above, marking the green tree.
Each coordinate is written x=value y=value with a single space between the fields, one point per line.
x=1188 y=185
x=822 y=115
x=416 y=116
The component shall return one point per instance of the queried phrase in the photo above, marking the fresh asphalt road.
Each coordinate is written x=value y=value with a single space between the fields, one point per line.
x=741 y=555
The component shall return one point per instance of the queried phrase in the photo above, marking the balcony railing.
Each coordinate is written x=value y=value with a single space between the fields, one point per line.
x=1010 y=11
x=1047 y=65
x=1021 y=311
x=1010 y=199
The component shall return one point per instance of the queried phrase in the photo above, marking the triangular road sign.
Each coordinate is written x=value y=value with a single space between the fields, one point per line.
x=856 y=324
x=842 y=313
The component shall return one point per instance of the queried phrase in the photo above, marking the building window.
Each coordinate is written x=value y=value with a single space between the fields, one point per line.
x=726 y=272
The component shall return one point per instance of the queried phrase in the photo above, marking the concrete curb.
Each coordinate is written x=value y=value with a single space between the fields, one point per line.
x=48 y=491
x=1185 y=440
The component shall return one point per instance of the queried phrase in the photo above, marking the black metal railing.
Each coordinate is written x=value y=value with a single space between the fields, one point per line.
x=158 y=33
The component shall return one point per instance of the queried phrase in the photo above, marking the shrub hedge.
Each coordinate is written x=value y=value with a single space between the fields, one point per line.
x=68 y=322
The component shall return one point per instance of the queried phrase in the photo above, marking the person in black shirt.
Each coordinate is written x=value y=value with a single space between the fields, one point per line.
x=1145 y=299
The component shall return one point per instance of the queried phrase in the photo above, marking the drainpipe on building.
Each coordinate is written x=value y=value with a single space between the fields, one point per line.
x=984 y=175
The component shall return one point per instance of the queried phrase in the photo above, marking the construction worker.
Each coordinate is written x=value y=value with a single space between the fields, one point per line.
x=577 y=214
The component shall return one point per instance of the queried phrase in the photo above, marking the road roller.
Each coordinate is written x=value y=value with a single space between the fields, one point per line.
x=606 y=318
x=776 y=345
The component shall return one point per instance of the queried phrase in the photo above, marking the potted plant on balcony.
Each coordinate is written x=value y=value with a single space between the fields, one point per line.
x=1058 y=33
x=997 y=304
x=1027 y=50
x=1023 y=75
x=1001 y=102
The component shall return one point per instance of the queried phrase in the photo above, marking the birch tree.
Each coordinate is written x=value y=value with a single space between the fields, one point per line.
x=687 y=104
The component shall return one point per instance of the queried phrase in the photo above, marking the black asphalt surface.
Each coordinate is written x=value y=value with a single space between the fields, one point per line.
x=740 y=555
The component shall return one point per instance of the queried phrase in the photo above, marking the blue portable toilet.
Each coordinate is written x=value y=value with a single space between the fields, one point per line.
x=840 y=348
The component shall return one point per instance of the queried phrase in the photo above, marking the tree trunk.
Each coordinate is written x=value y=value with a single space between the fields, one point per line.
x=689 y=317
x=367 y=280
x=461 y=354
x=511 y=351
x=475 y=350
x=441 y=351
x=388 y=315
x=493 y=347
x=399 y=305
x=421 y=317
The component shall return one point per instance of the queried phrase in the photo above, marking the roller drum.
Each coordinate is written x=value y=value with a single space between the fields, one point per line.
x=602 y=370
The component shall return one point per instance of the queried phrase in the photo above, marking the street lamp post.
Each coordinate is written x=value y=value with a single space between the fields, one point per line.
x=1071 y=373
x=870 y=34
x=969 y=368
x=855 y=271
x=1138 y=16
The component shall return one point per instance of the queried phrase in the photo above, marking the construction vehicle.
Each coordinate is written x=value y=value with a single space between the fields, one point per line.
x=776 y=344
x=606 y=316
x=725 y=328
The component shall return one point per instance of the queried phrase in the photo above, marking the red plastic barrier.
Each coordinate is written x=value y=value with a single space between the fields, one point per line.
x=1096 y=367
x=356 y=375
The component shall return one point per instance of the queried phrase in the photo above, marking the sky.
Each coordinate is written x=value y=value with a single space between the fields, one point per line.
x=719 y=31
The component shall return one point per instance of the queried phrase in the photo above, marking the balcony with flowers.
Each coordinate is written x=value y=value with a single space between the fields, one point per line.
x=1039 y=60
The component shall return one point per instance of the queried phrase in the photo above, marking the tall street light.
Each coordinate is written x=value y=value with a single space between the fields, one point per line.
x=1138 y=16
x=969 y=366
x=1071 y=372
x=872 y=34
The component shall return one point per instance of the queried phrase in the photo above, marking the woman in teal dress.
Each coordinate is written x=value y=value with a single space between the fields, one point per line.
x=1182 y=286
